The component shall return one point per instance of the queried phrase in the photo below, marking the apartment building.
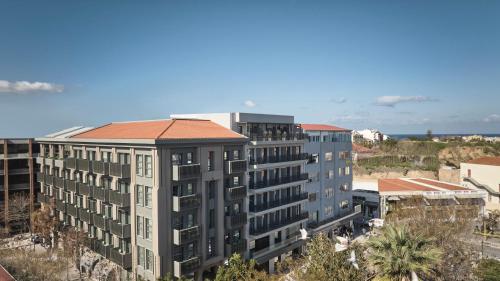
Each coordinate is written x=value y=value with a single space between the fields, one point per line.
x=155 y=197
x=483 y=174
x=16 y=178
x=276 y=182
x=329 y=168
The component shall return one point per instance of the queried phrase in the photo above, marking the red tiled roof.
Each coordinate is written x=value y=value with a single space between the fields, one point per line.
x=440 y=184
x=5 y=275
x=323 y=127
x=387 y=185
x=161 y=129
x=491 y=161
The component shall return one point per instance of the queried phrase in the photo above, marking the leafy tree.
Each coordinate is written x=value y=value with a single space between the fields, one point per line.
x=169 y=277
x=43 y=224
x=429 y=134
x=397 y=254
x=238 y=269
x=488 y=270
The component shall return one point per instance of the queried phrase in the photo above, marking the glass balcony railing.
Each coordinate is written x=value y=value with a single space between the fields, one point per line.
x=278 y=181
x=278 y=224
x=276 y=203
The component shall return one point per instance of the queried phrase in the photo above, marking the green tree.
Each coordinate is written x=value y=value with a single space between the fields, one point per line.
x=429 y=134
x=238 y=269
x=488 y=270
x=397 y=254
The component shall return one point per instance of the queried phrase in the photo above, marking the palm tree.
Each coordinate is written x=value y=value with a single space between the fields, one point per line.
x=398 y=255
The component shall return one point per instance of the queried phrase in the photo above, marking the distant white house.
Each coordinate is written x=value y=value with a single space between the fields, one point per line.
x=370 y=135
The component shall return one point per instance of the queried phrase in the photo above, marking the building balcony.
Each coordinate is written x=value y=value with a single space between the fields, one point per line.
x=100 y=167
x=101 y=222
x=184 y=267
x=40 y=177
x=72 y=210
x=49 y=180
x=71 y=163
x=235 y=247
x=85 y=189
x=43 y=198
x=277 y=203
x=278 y=137
x=279 y=181
x=278 y=159
x=120 y=199
x=101 y=194
x=235 y=193
x=121 y=230
x=235 y=166
x=236 y=220
x=185 y=172
x=275 y=225
x=86 y=217
x=71 y=185
x=119 y=170
x=60 y=183
x=84 y=165
x=183 y=203
x=122 y=259
x=186 y=235
x=99 y=247
x=60 y=206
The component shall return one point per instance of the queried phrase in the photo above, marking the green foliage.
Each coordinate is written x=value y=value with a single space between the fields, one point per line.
x=397 y=253
x=238 y=269
x=488 y=270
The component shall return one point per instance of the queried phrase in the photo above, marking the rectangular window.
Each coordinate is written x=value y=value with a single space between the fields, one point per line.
x=236 y=155
x=236 y=181
x=211 y=189
x=149 y=260
x=149 y=228
x=149 y=166
x=211 y=161
x=328 y=156
x=211 y=218
x=329 y=174
x=140 y=256
x=106 y=156
x=139 y=195
x=189 y=157
x=148 y=202
x=139 y=165
x=140 y=226
x=344 y=204
x=123 y=158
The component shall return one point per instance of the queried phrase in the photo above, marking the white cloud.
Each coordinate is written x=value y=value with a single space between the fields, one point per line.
x=339 y=100
x=21 y=87
x=492 y=118
x=391 y=101
x=250 y=103
x=348 y=118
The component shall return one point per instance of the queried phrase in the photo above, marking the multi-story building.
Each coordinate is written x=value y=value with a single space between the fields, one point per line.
x=17 y=177
x=155 y=197
x=276 y=181
x=330 y=178
x=483 y=173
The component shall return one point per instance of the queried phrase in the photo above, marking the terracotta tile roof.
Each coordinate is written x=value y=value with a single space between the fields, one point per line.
x=161 y=129
x=387 y=185
x=323 y=127
x=491 y=161
x=5 y=275
x=440 y=184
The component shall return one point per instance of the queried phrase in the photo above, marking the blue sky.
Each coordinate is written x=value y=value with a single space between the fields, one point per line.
x=400 y=66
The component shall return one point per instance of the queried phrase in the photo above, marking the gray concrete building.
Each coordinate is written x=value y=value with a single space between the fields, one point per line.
x=17 y=178
x=154 y=197
x=329 y=167
x=276 y=180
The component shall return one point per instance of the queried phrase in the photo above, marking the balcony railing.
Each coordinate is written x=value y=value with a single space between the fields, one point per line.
x=236 y=220
x=235 y=193
x=101 y=222
x=122 y=259
x=235 y=247
x=60 y=206
x=182 y=203
x=101 y=193
x=99 y=247
x=60 y=183
x=119 y=170
x=72 y=210
x=278 y=181
x=278 y=159
x=120 y=199
x=100 y=167
x=122 y=230
x=276 y=203
x=86 y=217
x=185 y=172
x=72 y=186
x=85 y=189
x=278 y=137
x=40 y=177
x=71 y=163
x=182 y=236
x=43 y=198
x=235 y=166
x=84 y=165
x=184 y=267
x=275 y=225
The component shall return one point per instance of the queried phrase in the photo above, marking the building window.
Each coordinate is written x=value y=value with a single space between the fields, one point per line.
x=344 y=187
x=328 y=156
x=106 y=156
x=140 y=226
x=329 y=192
x=148 y=202
x=236 y=155
x=312 y=197
x=344 y=204
x=343 y=155
x=123 y=158
x=347 y=170
x=176 y=159
x=149 y=260
x=149 y=228
x=139 y=165
x=140 y=256
x=328 y=211
x=329 y=174
x=211 y=161
x=211 y=247
x=211 y=189
x=314 y=158
x=189 y=157
x=211 y=218
x=149 y=166
x=236 y=181
x=190 y=220
x=139 y=195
